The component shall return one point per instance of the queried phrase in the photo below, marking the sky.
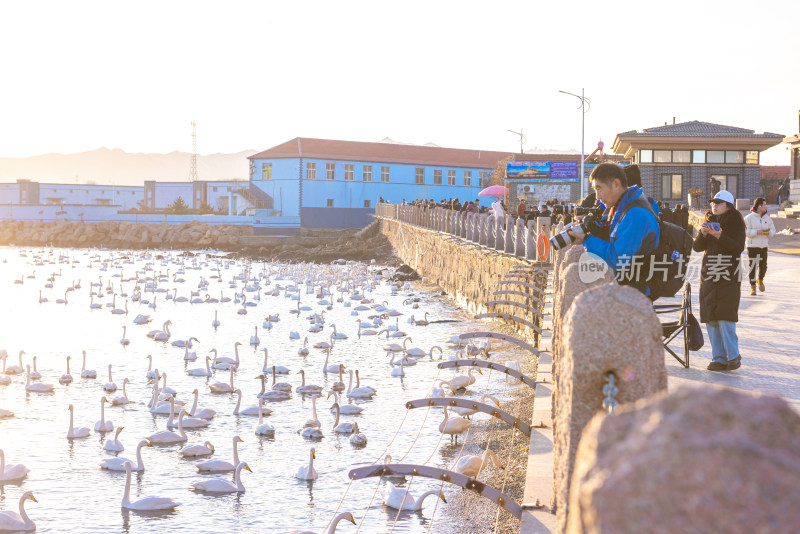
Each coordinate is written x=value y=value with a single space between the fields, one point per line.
x=81 y=75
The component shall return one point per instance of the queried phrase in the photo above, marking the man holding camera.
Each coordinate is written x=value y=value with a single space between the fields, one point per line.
x=630 y=225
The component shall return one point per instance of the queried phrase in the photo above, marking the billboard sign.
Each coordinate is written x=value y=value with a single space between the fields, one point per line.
x=536 y=170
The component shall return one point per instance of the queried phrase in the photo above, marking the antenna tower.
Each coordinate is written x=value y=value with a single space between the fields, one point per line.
x=193 y=168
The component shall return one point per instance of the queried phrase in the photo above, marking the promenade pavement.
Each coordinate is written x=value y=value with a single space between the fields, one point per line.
x=769 y=342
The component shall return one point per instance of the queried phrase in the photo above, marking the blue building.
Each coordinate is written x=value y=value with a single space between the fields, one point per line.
x=335 y=184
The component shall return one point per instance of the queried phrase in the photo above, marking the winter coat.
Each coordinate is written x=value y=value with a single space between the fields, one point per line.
x=756 y=224
x=720 y=285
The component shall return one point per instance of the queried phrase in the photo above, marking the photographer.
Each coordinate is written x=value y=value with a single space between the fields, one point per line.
x=631 y=226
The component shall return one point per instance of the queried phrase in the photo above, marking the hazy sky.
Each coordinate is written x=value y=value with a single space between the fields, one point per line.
x=133 y=75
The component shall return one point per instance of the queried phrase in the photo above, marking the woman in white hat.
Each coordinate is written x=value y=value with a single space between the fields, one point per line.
x=760 y=228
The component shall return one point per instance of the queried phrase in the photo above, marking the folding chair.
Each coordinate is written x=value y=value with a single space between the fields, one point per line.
x=673 y=329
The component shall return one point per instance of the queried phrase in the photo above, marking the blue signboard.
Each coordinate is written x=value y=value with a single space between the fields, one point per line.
x=528 y=169
x=564 y=171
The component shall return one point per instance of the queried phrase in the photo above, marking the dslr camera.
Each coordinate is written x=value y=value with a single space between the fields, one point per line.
x=589 y=225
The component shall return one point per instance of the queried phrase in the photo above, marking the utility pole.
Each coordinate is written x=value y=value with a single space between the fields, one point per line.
x=522 y=137
x=584 y=109
x=193 y=167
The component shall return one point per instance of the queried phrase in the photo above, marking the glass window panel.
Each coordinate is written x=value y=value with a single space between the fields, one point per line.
x=468 y=178
x=451 y=177
x=437 y=177
x=646 y=156
x=662 y=156
x=715 y=156
x=734 y=156
x=677 y=186
x=681 y=156
x=367 y=176
x=698 y=156
x=665 y=186
x=752 y=157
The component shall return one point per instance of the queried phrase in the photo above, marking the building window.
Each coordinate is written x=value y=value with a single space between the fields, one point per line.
x=646 y=156
x=671 y=186
x=266 y=171
x=348 y=172
x=483 y=179
x=330 y=202
x=698 y=156
x=451 y=177
x=728 y=182
x=734 y=156
x=681 y=156
x=437 y=176
x=366 y=203
x=662 y=156
x=468 y=178
x=330 y=171
x=311 y=171
x=715 y=156
x=385 y=174
x=751 y=157
x=419 y=176
x=367 y=174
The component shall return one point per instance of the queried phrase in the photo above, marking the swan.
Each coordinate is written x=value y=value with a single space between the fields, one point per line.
x=12 y=521
x=358 y=384
x=467 y=412
x=164 y=334
x=199 y=371
x=66 y=378
x=303 y=351
x=347 y=409
x=324 y=345
x=307 y=472
x=402 y=499
x=115 y=445
x=472 y=465
x=87 y=373
x=220 y=485
x=38 y=387
x=275 y=394
x=102 y=425
x=359 y=393
x=339 y=385
x=280 y=386
x=142 y=319
x=201 y=413
x=16 y=369
x=453 y=426
x=254 y=338
x=110 y=386
x=365 y=332
x=193 y=451
x=150 y=373
x=252 y=410
x=437 y=390
x=397 y=371
x=262 y=428
x=75 y=433
x=11 y=472
x=314 y=421
x=311 y=432
x=222 y=387
x=332 y=369
x=358 y=439
x=181 y=343
x=189 y=422
x=223 y=363
x=215 y=322
x=42 y=299
x=166 y=437
x=280 y=369
x=124 y=340
x=394 y=347
x=92 y=304
x=420 y=322
x=341 y=428
x=118 y=463
x=147 y=503
x=332 y=528
x=462 y=381
x=219 y=466
x=310 y=388
x=35 y=374
x=338 y=335
x=120 y=311
x=294 y=334
x=267 y=324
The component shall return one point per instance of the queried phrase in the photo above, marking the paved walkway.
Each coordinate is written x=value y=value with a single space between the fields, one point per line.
x=769 y=341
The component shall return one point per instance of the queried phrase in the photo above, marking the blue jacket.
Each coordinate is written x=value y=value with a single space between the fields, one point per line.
x=633 y=232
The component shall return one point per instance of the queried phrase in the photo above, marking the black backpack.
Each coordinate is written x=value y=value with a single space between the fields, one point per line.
x=671 y=257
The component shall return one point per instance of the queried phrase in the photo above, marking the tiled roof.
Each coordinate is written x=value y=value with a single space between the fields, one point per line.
x=697 y=129
x=563 y=157
x=382 y=153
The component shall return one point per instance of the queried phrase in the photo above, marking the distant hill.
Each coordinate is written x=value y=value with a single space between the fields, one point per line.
x=117 y=167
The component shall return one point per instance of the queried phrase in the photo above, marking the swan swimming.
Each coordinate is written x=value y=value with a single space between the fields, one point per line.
x=147 y=503
x=220 y=485
x=118 y=463
x=307 y=472
x=12 y=521
x=219 y=466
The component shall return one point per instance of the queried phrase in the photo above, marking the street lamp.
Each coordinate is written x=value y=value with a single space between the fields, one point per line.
x=584 y=108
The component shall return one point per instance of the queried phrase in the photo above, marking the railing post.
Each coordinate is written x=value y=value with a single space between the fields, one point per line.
x=519 y=242
x=508 y=240
x=483 y=227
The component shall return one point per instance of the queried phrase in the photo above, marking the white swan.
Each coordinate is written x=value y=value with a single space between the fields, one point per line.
x=16 y=369
x=358 y=439
x=280 y=386
x=402 y=499
x=347 y=409
x=37 y=387
x=467 y=412
x=142 y=319
x=147 y=503
x=12 y=521
x=361 y=393
x=280 y=369
x=220 y=485
x=11 y=472
x=462 y=381
x=75 y=433
x=215 y=322
x=120 y=311
x=193 y=451
x=314 y=421
x=102 y=425
x=199 y=371
x=219 y=466
x=115 y=445
x=35 y=374
x=307 y=472
x=294 y=334
x=222 y=387
x=338 y=335
x=150 y=373
x=66 y=378
x=118 y=463
x=202 y=413
x=188 y=422
x=342 y=428
x=303 y=351
x=472 y=465
x=397 y=371
x=167 y=437
x=163 y=335
x=254 y=340
x=310 y=388
x=120 y=400
x=252 y=410
x=453 y=426
x=110 y=386
x=224 y=363
x=332 y=369
x=124 y=340
x=262 y=428
x=87 y=373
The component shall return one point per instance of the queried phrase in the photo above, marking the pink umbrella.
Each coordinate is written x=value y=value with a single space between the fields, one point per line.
x=494 y=191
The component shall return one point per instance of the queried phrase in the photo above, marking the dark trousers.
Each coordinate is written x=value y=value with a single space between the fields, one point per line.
x=758 y=263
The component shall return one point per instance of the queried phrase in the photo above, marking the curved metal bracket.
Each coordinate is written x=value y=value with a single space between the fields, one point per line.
x=533 y=287
x=504 y=337
x=380 y=470
x=489 y=365
x=511 y=317
x=494 y=411
x=513 y=303
x=518 y=293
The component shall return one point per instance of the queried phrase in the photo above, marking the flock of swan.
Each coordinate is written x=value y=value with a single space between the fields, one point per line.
x=299 y=298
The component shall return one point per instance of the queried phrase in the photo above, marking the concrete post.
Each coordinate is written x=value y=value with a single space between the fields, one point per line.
x=519 y=238
x=483 y=227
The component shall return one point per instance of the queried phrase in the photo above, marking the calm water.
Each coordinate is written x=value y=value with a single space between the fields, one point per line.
x=76 y=495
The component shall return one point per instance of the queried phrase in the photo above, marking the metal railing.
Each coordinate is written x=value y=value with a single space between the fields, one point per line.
x=517 y=237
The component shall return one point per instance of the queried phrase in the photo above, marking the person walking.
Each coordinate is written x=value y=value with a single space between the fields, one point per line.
x=759 y=228
x=521 y=208
x=720 y=286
